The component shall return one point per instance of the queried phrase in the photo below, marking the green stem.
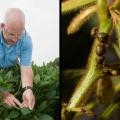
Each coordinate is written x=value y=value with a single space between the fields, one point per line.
x=117 y=49
x=81 y=18
x=117 y=28
x=103 y=14
x=83 y=88
x=88 y=80
x=109 y=110
x=71 y=5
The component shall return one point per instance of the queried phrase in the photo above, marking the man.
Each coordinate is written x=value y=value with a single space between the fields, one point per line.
x=16 y=43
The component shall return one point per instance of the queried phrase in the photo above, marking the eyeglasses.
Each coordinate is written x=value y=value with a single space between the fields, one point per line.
x=14 y=35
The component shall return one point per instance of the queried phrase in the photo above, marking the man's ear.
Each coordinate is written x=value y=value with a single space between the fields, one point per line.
x=2 y=25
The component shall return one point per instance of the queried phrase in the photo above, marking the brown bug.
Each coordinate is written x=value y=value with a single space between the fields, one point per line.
x=105 y=69
x=100 y=50
x=102 y=37
x=105 y=90
x=94 y=32
x=99 y=59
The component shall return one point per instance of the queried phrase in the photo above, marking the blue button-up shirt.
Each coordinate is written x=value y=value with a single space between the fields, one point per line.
x=20 y=51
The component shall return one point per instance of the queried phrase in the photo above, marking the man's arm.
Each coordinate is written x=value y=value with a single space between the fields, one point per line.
x=26 y=76
x=27 y=80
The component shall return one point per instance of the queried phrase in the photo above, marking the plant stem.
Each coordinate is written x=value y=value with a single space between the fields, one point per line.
x=104 y=18
x=83 y=88
x=117 y=50
x=71 y=5
x=109 y=110
x=94 y=72
x=80 y=19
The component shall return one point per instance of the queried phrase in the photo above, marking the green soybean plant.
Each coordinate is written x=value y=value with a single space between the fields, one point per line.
x=46 y=91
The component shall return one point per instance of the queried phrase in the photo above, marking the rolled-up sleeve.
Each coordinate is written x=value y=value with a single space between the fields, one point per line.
x=26 y=52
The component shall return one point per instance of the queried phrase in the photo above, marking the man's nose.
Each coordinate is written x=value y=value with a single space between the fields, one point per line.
x=15 y=39
x=16 y=36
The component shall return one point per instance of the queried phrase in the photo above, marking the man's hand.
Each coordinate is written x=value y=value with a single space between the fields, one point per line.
x=10 y=100
x=28 y=99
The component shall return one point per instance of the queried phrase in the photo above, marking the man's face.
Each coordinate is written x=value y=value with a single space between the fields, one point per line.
x=12 y=34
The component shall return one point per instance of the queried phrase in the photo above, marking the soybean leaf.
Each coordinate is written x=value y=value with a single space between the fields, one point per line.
x=51 y=94
x=37 y=78
x=25 y=111
x=5 y=87
x=14 y=114
x=43 y=106
x=46 y=117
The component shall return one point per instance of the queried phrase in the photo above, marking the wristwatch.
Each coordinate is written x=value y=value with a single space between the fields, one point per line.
x=26 y=88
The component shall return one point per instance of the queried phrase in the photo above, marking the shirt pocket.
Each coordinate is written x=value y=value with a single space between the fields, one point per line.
x=14 y=56
x=1 y=54
x=17 y=52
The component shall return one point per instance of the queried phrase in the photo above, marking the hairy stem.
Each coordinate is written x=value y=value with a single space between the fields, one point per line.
x=88 y=80
x=71 y=5
x=103 y=13
x=83 y=88
x=80 y=19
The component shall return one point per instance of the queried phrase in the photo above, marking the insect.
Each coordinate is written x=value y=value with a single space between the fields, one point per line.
x=104 y=90
x=100 y=50
x=99 y=59
x=105 y=69
x=94 y=32
x=102 y=37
